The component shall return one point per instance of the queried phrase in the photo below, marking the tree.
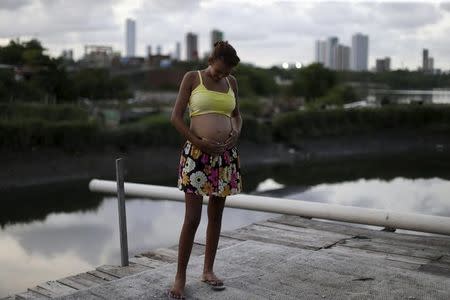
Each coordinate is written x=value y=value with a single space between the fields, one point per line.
x=313 y=81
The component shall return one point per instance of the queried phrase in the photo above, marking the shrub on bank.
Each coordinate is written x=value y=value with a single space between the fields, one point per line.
x=38 y=111
x=292 y=126
x=27 y=125
x=25 y=134
x=153 y=130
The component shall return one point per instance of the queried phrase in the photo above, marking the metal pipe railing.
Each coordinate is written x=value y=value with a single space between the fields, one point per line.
x=352 y=214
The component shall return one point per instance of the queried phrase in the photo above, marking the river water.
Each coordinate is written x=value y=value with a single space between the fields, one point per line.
x=52 y=231
x=436 y=96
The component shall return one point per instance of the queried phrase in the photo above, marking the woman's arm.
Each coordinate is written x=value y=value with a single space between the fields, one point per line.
x=180 y=107
x=236 y=119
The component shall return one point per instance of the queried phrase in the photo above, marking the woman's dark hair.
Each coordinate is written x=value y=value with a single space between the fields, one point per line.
x=223 y=50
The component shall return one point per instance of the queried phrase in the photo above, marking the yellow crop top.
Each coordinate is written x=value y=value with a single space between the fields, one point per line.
x=204 y=101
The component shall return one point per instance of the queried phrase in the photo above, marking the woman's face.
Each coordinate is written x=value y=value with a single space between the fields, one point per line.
x=219 y=69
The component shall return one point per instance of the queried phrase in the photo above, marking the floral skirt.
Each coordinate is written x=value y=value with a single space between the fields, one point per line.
x=204 y=174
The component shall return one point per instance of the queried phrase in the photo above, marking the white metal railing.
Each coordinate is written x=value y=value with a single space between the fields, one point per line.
x=352 y=214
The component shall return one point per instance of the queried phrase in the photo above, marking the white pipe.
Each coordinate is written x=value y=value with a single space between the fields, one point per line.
x=352 y=214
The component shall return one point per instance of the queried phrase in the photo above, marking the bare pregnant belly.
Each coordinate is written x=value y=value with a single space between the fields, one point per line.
x=211 y=126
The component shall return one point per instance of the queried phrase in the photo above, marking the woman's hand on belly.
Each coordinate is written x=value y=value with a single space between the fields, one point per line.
x=231 y=141
x=212 y=147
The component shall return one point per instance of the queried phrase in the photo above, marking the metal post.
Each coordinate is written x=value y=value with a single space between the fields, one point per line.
x=122 y=213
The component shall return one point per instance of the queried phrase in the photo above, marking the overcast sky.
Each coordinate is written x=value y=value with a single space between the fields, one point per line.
x=264 y=32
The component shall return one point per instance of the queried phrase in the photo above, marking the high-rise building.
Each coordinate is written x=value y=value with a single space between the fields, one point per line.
x=359 y=52
x=149 y=51
x=130 y=37
x=178 y=51
x=427 y=61
x=430 y=64
x=216 y=35
x=191 y=47
x=342 y=57
x=383 y=64
x=330 y=54
x=67 y=54
x=320 y=51
x=158 y=50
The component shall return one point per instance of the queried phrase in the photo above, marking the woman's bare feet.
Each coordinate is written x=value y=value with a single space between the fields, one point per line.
x=177 y=291
x=211 y=278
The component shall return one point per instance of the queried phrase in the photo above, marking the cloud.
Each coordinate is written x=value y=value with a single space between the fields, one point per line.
x=13 y=4
x=169 y=6
x=264 y=32
x=407 y=15
x=45 y=18
x=445 y=6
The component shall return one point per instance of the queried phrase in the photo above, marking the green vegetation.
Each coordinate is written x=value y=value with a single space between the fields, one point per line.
x=69 y=127
x=254 y=81
x=25 y=124
x=46 y=78
x=154 y=130
x=337 y=95
x=312 y=82
x=291 y=127
x=54 y=113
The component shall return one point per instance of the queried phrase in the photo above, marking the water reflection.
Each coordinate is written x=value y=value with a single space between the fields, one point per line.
x=426 y=196
x=69 y=243
x=49 y=232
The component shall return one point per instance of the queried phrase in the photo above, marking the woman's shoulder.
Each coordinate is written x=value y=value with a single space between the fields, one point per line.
x=189 y=77
x=190 y=74
x=232 y=80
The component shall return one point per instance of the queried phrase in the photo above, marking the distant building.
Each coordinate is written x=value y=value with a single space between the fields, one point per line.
x=191 y=47
x=149 y=51
x=133 y=62
x=216 y=35
x=178 y=51
x=359 y=52
x=67 y=54
x=320 y=47
x=158 y=50
x=330 y=52
x=427 y=62
x=130 y=37
x=159 y=60
x=425 y=59
x=99 y=56
x=342 y=57
x=383 y=64
x=430 y=64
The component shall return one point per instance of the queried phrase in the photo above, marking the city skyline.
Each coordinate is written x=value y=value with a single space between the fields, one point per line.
x=398 y=30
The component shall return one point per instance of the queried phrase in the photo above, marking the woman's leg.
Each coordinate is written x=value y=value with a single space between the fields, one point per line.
x=191 y=221
x=215 y=210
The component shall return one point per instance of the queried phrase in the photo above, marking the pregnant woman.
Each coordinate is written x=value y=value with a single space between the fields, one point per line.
x=209 y=161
